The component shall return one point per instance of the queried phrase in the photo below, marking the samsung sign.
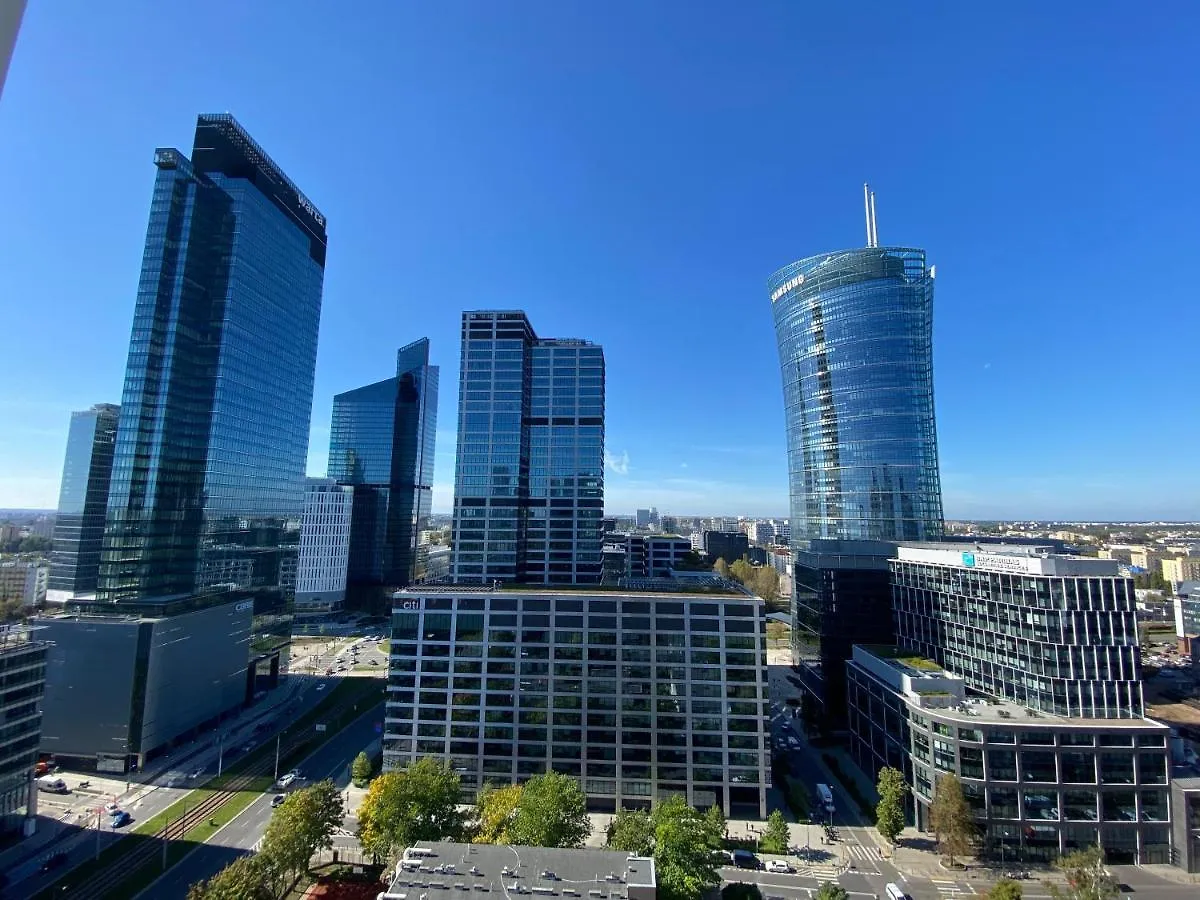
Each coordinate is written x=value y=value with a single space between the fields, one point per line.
x=786 y=286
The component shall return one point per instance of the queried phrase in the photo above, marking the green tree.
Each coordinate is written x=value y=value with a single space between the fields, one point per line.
x=721 y=567
x=419 y=803
x=714 y=826
x=300 y=827
x=1005 y=889
x=242 y=879
x=775 y=837
x=739 y=890
x=1087 y=879
x=831 y=890
x=950 y=818
x=495 y=810
x=742 y=572
x=552 y=813
x=360 y=769
x=889 y=812
x=632 y=830
x=683 y=858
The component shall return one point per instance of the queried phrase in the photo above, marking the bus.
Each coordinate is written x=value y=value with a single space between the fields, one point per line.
x=825 y=796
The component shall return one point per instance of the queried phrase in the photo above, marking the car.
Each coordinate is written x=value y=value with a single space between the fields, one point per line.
x=54 y=860
x=278 y=799
x=373 y=662
x=119 y=818
x=112 y=807
x=744 y=859
x=778 y=865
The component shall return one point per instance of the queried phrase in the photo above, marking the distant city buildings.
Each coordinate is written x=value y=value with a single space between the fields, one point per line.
x=529 y=473
x=637 y=694
x=727 y=545
x=24 y=581
x=760 y=533
x=208 y=473
x=634 y=555
x=1178 y=569
x=324 y=547
x=382 y=441
x=82 y=501
x=647 y=518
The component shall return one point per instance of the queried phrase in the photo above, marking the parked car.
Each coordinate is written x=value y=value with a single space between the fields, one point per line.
x=778 y=865
x=744 y=859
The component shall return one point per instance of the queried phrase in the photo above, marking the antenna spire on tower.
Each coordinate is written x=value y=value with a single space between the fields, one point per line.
x=874 y=223
x=869 y=211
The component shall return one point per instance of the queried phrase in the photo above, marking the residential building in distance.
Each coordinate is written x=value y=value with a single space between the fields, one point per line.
x=382 y=441
x=126 y=681
x=22 y=682
x=324 y=548
x=696 y=539
x=760 y=533
x=1018 y=670
x=82 y=501
x=1120 y=554
x=647 y=518
x=541 y=870
x=854 y=329
x=529 y=473
x=727 y=545
x=1178 y=569
x=636 y=555
x=637 y=694
x=24 y=581
x=208 y=471
x=1187 y=609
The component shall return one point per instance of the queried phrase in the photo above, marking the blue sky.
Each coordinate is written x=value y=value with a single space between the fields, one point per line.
x=632 y=173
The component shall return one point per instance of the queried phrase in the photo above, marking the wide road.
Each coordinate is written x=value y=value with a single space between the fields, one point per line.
x=241 y=834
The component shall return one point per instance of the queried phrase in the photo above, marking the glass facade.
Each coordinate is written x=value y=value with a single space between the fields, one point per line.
x=382 y=442
x=83 y=499
x=529 y=476
x=22 y=685
x=208 y=474
x=854 y=329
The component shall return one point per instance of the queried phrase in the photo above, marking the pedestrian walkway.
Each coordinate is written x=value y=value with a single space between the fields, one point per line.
x=947 y=888
x=864 y=852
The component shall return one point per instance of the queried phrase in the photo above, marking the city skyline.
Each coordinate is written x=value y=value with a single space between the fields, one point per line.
x=666 y=267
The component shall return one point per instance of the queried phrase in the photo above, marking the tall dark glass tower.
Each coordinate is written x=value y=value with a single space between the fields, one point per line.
x=382 y=442
x=82 y=500
x=854 y=329
x=208 y=477
x=529 y=477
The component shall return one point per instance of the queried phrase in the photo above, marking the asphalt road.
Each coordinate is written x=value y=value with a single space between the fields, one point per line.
x=79 y=843
x=240 y=835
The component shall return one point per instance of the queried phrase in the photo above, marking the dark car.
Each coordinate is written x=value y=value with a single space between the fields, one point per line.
x=744 y=859
x=119 y=818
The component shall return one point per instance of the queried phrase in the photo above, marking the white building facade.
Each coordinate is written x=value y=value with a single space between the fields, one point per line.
x=324 y=547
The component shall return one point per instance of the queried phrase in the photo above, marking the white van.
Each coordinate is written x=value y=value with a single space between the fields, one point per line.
x=893 y=891
x=51 y=785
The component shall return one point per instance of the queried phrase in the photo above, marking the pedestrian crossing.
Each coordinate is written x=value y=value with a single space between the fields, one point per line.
x=947 y=888
x=864 y=852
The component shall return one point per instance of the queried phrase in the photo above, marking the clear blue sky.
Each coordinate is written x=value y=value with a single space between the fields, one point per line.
x=632 y=173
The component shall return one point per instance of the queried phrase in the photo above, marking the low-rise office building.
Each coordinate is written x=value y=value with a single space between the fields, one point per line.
x=22 y=683
x=324 y=555
x=1185 y=824
x=632 y=555
x=638 y=694
x=464 y=871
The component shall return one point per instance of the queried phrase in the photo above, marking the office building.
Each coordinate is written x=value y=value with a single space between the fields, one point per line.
x=760 y=533
x=324 y=548
x=646 y=518
x=1018 y=670
x=1178 y=569
x=382 y=442
x=82 y=501
x=208 y=470
x=1187 y=609
x=548 y=871
x=10 y=23
x=636 y=555
x=22 y=681
x=638 y=694
x=727 y=545
x=854 y=330
x=529 y=475
x=1185 y=823
x=24 y=581
x=125 y=682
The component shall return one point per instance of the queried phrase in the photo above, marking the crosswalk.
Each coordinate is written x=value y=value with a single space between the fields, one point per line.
x=947 y=888
x=864 y=852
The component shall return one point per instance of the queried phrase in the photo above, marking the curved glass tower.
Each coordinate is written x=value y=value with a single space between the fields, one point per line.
x=855 y=346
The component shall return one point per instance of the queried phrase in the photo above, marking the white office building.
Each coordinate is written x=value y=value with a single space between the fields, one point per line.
x=324 y=547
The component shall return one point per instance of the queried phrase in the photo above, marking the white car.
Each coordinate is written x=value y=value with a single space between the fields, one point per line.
x=778 y=865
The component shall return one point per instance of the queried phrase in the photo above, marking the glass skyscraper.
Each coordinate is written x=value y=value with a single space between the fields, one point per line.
x=382 y=442
x=855 y=345
x=82 y=500
x=208 y=476
x=529 y=475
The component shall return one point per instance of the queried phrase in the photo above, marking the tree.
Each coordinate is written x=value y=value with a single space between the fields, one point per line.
x=776 y=838
x=1086 y=877
x=242 y=879
x=632 y=830
x=721 y=567
x=1005 y=889
x=682 y=857
x=301 y=826
x=419 y=803
x=714 y=826
x=739 y=890
x=495 y=810
x=360 y=769
x=831 y=890
x=889 y=812
x=950 y=817
x=552 y=813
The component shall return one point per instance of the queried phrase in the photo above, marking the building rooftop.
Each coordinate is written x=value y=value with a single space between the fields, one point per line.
x=467 y=871
x=661 y=588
